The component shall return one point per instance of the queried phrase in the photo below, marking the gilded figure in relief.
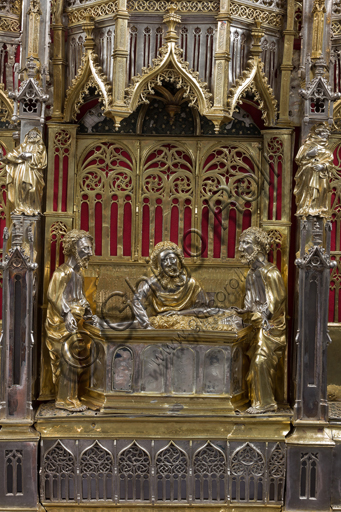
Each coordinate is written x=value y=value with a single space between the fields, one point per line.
x=25 y=179
x=70 y=345
x=315 y=163
x=264 y=308
x=172 y=299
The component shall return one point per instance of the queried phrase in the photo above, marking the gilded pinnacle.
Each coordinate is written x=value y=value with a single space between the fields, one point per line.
x=88 y=27
x=257 y=34
x=171 y=20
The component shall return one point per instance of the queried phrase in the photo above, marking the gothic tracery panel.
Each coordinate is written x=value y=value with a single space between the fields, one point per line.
x=14 y=472
x=167 y=196
x=105 y=195
x=96 y=469
x=134 y=474
x=274 y=157
x=171 y=473
x=59 y=471
x=75 y=54
x=335 y=204
x=57 y=232
x=62 y=147
x=209 y=469
x=247 y=467
x=228 y=191
x=276 y=473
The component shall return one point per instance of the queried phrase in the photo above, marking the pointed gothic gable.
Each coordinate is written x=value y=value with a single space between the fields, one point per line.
x=90 y=74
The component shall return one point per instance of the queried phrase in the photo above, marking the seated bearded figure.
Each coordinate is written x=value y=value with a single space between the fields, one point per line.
x=171 y=292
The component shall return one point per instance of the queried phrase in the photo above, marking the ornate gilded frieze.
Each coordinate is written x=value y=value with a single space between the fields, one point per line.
x=9 y=24
x=78 y=16
x=267 y=12
x=246 y=12
x=207 y=6
x=336 y=27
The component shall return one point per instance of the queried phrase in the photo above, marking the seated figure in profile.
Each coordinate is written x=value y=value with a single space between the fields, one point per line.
x=171 y=298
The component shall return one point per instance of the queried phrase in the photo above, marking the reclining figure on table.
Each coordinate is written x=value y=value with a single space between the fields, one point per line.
x=171 y=292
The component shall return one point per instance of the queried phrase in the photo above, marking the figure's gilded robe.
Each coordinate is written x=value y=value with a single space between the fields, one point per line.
x=65 y=294
x=184 y=295
x=312 y=186
x=265 y=290
x=25 y=178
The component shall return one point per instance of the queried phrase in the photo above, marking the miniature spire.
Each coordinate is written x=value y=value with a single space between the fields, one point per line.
x=88 y=26
x=257 y=34
x=172 y=20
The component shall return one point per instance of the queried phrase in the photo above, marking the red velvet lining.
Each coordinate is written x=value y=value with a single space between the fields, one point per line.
x=65 y=183
x=145 y=231
x=187 y=228
x=113 y=229
x=127 y=220
x=279 y=192
x=55 y=183
x=232 y=230
x=98 y=227
x=204 y=232
x=85 y=216
x=158 y=225
x=217 y=233
x=174 y=225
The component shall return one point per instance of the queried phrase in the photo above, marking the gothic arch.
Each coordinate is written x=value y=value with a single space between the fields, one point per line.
x=59 y=466
x=253 y=79
x=172 y=468
x=90 y=74
x=215 y=459
x=171 y=67
x=96 y=468
x=134 y=467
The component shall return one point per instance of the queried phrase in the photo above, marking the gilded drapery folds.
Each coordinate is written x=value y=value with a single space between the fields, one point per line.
x=315 y=162
x=264 y=307
x=25 y=179
x=69 y=343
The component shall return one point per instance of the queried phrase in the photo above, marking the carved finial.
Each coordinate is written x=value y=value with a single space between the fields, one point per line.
x=29 y=234
x=88 y=26
x=317 y=231
x=257 y=34
x=172 y=20
x=320 y=67
x=5 y=237
x=30 y=240
x=32 y=67
x=16 y=235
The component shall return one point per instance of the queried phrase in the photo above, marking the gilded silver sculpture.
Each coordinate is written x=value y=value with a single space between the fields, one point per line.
x=69 y=343
x=171 y=293
x=25 y=179
x=264 y=307
x=315 y=162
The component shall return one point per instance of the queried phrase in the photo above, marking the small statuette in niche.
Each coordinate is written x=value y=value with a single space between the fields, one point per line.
x=123 y=369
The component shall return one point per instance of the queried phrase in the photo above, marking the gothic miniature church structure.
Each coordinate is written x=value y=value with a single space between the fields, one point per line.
x=170 y=255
